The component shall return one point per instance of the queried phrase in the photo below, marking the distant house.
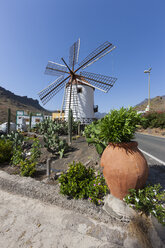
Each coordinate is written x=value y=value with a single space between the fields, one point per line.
x=23 y=119
x=57 y=115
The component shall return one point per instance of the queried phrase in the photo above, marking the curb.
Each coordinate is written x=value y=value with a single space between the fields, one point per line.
x=157 y=136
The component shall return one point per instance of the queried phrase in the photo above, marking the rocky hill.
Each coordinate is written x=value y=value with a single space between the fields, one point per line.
x=15 y=102
x=156 y=104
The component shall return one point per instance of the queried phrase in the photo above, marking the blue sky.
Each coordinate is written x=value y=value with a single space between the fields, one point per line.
x=35 y=31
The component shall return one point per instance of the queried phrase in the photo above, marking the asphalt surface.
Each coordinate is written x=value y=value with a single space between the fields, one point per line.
x=153 y=145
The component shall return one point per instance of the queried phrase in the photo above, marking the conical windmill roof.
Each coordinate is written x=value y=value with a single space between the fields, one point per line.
x=76 y=81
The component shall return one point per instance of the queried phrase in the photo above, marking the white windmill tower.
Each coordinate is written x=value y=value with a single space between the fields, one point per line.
x=79 y=88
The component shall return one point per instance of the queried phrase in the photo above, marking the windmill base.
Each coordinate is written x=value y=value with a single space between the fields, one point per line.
x=82 y=120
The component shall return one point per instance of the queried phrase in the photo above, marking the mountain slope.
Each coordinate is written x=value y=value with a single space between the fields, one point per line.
x=156 y=104
x=15 y=102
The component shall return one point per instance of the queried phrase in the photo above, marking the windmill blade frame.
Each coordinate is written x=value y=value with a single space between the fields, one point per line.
x=95 y=87
x=55 y=69
x=74 y=54
x=42 y=91
x=50 y=91
x=95 y=55
x=98 y=80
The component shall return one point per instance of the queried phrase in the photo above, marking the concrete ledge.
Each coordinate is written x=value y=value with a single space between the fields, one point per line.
x=117 y=222
x=48 y=193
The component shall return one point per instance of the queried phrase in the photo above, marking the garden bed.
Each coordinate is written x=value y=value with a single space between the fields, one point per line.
x=82 y=180
x=79 y=151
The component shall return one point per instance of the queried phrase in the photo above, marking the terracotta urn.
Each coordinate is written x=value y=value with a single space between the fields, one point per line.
x=124 y=168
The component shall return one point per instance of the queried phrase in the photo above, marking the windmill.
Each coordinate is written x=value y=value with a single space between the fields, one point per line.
x=79 y=88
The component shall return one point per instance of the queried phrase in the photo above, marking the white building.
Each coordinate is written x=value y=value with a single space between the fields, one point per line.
x=23 y=119
x=82 y=101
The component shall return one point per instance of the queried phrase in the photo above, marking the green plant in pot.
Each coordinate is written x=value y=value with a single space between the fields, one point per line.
x=124 y=166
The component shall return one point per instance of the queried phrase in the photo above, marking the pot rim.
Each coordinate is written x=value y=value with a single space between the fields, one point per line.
x=130 y=144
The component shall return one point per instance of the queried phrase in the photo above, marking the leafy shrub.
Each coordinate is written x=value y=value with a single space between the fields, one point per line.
x=149 y=200
x=35 y=150
x=16 y=137
x=17 y=155
x=93 y=136
x=74 y=127
x=81 y=182
x=27 y=167
x=5 y=150
x=154 y=120
x=117 y=126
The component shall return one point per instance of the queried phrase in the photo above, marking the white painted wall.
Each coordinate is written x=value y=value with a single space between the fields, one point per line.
x=81 y=103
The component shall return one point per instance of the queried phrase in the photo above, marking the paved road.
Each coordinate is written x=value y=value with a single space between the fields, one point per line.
x=154 y=146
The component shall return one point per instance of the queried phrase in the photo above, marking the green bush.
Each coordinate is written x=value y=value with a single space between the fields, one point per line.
x=81 y=182
x=119 y=125
x=93 y=136
x=17 y=156
x=16 y=137
x=150 y=200
x=27 y=167
x=5 y=150
x=153 y=120
x=35 y=150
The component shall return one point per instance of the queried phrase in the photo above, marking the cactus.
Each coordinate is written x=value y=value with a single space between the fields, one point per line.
x=55 y=145
x=8 y=122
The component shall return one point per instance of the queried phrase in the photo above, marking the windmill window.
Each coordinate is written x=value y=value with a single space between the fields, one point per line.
x=79 y=90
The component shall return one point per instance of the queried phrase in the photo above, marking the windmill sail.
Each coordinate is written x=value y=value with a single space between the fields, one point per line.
x=55 y=69
x=98 y=80
x=74 y=54
x=50 y=91
x=97 y=54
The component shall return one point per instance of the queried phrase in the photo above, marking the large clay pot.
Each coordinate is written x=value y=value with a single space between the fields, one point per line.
x=125 y=168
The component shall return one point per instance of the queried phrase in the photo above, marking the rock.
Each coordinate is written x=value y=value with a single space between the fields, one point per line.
x=56 y=176
x=118 y=208
x=46 y=180
x=157 y=233
x=3 y=127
